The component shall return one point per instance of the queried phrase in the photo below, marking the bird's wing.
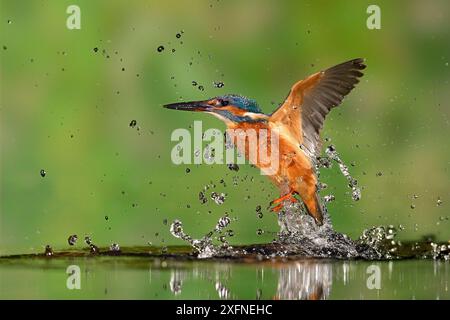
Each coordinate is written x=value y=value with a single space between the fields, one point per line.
x=311 y=99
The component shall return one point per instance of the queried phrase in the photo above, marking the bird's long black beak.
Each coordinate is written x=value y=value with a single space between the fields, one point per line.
x=190 y=106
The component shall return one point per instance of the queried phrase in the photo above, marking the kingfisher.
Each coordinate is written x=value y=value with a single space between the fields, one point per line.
x=297 y=123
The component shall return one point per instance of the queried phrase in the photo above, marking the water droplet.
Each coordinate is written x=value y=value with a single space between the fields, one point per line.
x=439 y=202
x=72 y=239
x=133 y=123
x=329 y=198
x=194 y=83
x=178 y=35
x=230 y=233
x=218 y=84
x=9 y=21
x=218 y=198
x=95 y=49
x=413 y=206
x=165 y=222
x=233 y=166
x=379 y=174
x=114 y=247
x=88 y=240
x=201 y=196
x=201 y=88
x=356 y=194
x=48 y=251
x=188 y=170
x=322 y=186
x=223 y=223
x=330 y=149
x=176 y=228
x=106 y=218
x=259 y=232
x=93 y=249
x=160 y=49
x=43 y=173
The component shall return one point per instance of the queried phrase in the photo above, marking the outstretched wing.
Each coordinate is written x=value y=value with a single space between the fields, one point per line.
x=311 y=99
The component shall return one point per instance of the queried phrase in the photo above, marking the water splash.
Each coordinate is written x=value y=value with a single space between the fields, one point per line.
x=352 y=182
x=205 y=246
x=299 y=235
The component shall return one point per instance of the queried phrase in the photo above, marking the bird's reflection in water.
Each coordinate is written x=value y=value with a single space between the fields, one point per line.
x=176 y=281
x=300 y=280
x=218 y=275
x=305 y=280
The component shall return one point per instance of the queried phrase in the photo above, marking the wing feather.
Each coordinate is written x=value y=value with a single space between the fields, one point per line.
x=311 y=99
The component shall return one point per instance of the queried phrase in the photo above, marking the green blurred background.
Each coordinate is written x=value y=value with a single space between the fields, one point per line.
x=66 y=109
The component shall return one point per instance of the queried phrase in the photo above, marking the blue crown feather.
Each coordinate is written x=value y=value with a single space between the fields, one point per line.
x=242 y=102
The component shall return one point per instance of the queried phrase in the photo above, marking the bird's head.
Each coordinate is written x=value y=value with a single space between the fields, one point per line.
x=230 y=108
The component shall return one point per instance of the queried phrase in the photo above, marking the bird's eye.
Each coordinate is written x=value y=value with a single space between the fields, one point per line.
x=221 y=102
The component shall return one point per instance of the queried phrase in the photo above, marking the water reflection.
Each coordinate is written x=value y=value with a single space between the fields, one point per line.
x=306 y=280
x=301 y=280
x=177 y=278
x=278 y=278
x=310 y=279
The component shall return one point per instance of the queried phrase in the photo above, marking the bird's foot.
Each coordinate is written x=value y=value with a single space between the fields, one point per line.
x=277 y=208
x=279 y=201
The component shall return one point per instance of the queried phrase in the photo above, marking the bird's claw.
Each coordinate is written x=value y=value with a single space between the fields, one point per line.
x=279 y=202
x=277 y=208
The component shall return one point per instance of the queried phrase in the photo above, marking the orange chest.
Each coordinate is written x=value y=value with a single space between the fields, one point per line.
x=258 y=143
x=250 y=137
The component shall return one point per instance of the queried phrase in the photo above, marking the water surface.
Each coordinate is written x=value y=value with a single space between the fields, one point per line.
x=177 y=274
